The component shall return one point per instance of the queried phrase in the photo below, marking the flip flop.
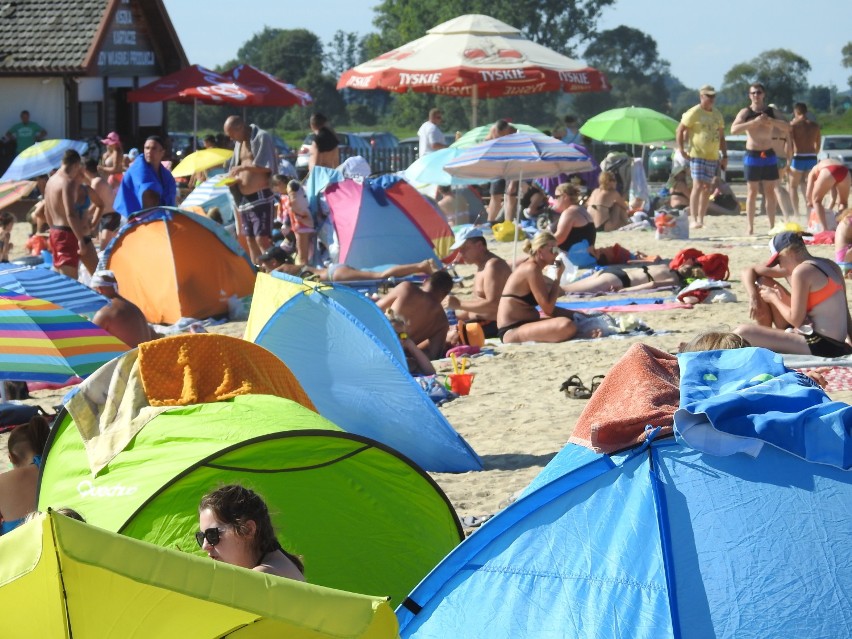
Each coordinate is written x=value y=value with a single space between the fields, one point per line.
x=596 y=381
x=574 y=388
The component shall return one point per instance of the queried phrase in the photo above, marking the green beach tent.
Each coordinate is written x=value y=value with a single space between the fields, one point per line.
x=63 y=578
x=365 y=518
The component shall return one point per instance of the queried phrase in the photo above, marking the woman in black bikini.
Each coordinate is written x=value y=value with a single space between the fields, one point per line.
x=607 y=206
x=235 y=527
x=575 y=223
x=518 y=320
x=613 y=278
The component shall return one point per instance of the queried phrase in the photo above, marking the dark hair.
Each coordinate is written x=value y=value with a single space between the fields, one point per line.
x=757 y=85
x=215 y=214
x=91 y=165
x=236 y=505
x=441 y=282
x=71 y=157
x=210 y=138
x=800 y=107
x=32 y=436
x=70 y=513
x=318 y=120
x=5 y=218
x=110 y=222
x=502 y=125
x=157 y=139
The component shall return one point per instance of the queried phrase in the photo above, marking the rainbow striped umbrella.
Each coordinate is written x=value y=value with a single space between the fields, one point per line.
x=43 y=342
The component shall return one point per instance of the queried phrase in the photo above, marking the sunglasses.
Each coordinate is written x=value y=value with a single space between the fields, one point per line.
x=211 y=535
x=755 y=92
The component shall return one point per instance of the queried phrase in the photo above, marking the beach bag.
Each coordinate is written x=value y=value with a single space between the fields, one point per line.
x=470 y=333
x=681 y=258
x=671 y=225
x=504 y=231
x=714 y=265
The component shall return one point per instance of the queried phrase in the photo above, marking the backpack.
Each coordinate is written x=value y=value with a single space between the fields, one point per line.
x=714 y=265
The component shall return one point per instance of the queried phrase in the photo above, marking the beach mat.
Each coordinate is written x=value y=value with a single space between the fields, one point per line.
x=630 y=305
x=839 y=378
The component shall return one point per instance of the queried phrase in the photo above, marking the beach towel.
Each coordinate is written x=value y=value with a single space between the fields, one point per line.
x=198 y=369
x=631 y=305
x=838 y=378
x=641 y=389
x=739 y=400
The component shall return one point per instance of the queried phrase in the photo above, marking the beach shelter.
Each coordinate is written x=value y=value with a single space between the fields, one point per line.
x=348 y=359
x=384 y=221
x=173 y=263
x=63 y=578
x=139 y=444
x=666 y=539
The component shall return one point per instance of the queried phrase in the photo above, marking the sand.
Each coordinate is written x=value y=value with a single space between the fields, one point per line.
x=515 y=417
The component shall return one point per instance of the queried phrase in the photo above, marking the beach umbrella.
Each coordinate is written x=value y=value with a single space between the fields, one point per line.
x=474 y=56
x=51 y=286
x=169 y=87
x=429 y=169
x=41 y=158
x=43 y=342
x=11 y=192
x=518 y=156
x=264 y=89
x=630 y=125
x=478 y=134
x=201 y=161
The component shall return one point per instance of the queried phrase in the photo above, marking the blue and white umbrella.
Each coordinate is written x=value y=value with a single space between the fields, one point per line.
x=51 y=286
x=429 y=169
x=41 y=158
x=518 y=156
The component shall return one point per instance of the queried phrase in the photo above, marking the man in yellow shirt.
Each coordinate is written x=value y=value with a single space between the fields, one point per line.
x=704 y=127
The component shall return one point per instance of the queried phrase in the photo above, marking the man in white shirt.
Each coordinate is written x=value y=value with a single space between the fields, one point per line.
x=431 y=137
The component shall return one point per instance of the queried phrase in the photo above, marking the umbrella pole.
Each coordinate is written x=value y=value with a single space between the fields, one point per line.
x=474 y=103
x=194 y=124
x=517 y=220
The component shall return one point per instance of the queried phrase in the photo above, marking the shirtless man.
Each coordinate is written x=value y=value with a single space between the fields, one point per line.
x=759 y=123
x=64 y=204
x=783 y=148
x=491 y=275
x=252 y=166
x=121 y=317
x=501 y=187
x=805 y=138
x=100 y=192
x=427 y=321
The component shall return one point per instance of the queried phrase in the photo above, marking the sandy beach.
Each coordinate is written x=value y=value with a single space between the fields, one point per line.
x=516 y=418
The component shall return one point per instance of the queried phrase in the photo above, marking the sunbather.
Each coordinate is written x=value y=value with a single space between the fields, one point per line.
x=575 y=223
x=18 y=487
x=518 y=319
x=615 y=278
x=607 y=206
x=345 y=273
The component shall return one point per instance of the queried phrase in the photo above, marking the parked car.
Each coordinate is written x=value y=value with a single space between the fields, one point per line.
x=660 y=165
x=838 y=147
x=182 y=145
x=736 y=153
x=384 y=150
x=350 y=145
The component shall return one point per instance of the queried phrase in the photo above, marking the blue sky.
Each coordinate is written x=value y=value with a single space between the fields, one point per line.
x=701 y=40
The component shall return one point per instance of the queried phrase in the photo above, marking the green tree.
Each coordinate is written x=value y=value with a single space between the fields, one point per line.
x=819 y=98
x=846 y=51
x=635 y=70
x=285 y=53
x=781 y=71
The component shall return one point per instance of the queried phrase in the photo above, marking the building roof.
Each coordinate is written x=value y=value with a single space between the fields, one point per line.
x=63 y=36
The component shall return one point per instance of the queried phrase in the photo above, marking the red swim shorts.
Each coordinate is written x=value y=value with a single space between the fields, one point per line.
x=64 y=246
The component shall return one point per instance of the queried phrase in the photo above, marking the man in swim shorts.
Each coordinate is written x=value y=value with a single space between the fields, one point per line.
x=69 y=241
x=805 y=137
x=758 y=122
x=252 y=165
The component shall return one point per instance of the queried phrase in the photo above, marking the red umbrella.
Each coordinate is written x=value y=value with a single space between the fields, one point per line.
x=476 y=56
x=169 y=87
x=266 y=90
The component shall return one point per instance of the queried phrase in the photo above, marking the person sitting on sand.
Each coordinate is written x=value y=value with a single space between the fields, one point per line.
x=648 y=277
x=518 y=319
x=427 y=321
x=121 y=317
x=815 y=309
x=828 y=175
x=607 y=206
x=418 y=362
x=491 y=275
x=235 y=527
x=722 y=199
x=18 y=487
x=575 y=224
x=679 y=186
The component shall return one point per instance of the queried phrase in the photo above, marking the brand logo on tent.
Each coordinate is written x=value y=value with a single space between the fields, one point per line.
x=356 y=81
x=88 y=489
x=507 y=74
x=419 y=78
x=575 y=77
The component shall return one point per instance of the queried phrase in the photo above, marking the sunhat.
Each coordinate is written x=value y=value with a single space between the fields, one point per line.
x=111 y=138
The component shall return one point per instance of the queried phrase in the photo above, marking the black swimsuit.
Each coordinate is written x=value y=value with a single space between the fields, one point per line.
x=529 y=300
x=577 y=234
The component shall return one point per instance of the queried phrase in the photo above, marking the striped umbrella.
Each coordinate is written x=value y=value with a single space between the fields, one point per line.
x=478 y=134
x=43 y=342
x=40 y=159
x=11 y=192
x=47 y=284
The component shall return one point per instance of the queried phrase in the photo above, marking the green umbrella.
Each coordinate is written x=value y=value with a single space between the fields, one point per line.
x=630 y=125
x=477 y=135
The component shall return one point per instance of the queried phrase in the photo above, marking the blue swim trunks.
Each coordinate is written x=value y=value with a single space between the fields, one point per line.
x=760 y=166
x=803 y=162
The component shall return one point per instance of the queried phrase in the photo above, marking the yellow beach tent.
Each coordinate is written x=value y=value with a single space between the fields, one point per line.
x=63 y=578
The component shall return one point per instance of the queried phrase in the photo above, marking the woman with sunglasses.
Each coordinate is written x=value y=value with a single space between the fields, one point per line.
x=518 y=319
x=235 y=527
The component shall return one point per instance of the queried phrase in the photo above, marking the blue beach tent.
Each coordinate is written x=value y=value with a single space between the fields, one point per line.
x=663 y=540
x=350 y=362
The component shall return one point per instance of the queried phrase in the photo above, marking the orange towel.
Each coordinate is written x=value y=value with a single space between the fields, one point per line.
x=206 y=367
x=643 y=387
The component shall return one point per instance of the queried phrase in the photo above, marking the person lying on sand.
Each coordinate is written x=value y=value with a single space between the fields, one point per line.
x=615 y=278
x=427 y=321
x=491 y=275
x=518 y=319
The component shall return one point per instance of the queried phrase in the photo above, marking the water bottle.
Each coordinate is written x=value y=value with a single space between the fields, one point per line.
x=451 y=317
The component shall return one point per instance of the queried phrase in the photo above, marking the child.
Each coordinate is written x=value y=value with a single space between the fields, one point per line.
x=301 y=221
x=18 y=486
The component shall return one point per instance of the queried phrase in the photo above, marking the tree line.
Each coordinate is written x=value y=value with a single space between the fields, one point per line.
x=629 y=57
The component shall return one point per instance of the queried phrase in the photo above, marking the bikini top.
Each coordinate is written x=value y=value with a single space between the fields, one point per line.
x=528 y=299
x=820 y=295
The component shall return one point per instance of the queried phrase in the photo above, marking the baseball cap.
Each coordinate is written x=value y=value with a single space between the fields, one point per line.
x=111 y=138
x=465 y=234
x=707 y=90
x=782 y=241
